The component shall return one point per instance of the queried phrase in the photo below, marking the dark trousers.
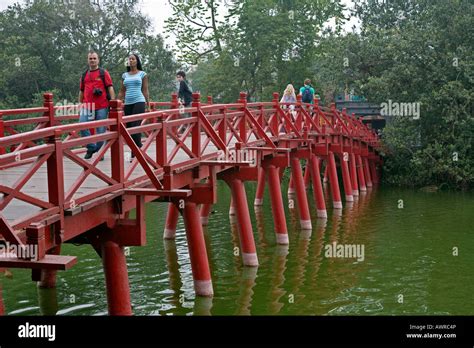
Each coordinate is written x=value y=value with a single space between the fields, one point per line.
x=133 y=109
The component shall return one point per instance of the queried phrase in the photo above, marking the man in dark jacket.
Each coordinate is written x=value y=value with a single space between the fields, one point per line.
x=185 y=96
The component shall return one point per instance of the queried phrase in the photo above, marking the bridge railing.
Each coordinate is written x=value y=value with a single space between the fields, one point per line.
x=171 y=144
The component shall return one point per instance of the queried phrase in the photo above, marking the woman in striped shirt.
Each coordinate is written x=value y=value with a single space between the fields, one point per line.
x=135 y=89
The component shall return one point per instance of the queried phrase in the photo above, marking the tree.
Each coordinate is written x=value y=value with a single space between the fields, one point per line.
x=263 y=45
x=44 y=47
x=198 y=28
x=414 y=51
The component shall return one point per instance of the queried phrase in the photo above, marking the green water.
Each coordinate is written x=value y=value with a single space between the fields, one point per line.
x=417 y=260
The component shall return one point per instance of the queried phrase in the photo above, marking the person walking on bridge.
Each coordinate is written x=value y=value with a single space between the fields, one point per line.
x=307 y=92
x=135 y=90
x=289 y=96
x=96 y=89
x=185 y=96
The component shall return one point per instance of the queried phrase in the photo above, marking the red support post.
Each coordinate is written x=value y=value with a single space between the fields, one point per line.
x=196 y=131
x=291 y=186
x=197 y=251
x=360 y=171
x=336 y=194
x=365 y=161
x=278 y=210
x=171 y=222
x=116 y=278
x=244 y=226
x=301 y=199
x=116 y=150
x=260 y=187
x=346 y=177
x=205 y=211
x=232 y=207
x=373 y=172
x=317 y=187
x=48 y=103
x=353 y=167
x=307 y=176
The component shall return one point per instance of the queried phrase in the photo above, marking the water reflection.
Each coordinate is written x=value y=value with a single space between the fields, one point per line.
x=47 y=300
x=202 y=305
x=262 y=240
x=276 y=284
x=173 y=270
x=247 y=283
x=405 y=252
x=301 y=255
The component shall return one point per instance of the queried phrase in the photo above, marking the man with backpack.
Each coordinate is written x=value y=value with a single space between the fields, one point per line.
x=96 y=89
x=307 y=92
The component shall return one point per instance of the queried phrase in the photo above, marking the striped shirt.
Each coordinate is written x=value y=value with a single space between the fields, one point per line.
x=133 y=87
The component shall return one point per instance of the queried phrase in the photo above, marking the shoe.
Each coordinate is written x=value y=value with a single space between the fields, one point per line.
x=89 y=154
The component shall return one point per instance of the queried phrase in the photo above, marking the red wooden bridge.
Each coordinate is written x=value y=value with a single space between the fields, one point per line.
x=50 y=195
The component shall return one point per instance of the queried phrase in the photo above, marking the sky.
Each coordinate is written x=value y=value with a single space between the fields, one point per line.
x=158 y=11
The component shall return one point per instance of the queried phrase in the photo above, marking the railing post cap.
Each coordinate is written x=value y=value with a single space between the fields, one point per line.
x=115 y=104
x=48 y=96
x=243 y=95
x=298 y=98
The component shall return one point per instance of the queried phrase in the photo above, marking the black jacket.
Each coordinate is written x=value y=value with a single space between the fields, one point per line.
x=185 y=93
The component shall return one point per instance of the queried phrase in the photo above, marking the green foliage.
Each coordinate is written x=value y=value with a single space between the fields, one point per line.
x=259 y=48
x=414 y=51
x=44 y=45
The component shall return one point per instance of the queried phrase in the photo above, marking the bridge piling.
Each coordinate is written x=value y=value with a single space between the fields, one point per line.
x=204 y=212
x=346 y=179
x=291 y=186
x=197 y=250
x=307 y=176
x=232 y=207
x=325 y=178
x=373 y=172
x=360 y=172
x=116 y=278
x=171 y=222
x=260 y=187
x=244 y=226
x=301 y=198
x=336 y=193
x=317 y=187
x=367 y=172
x=279 y=218
x=353 y=172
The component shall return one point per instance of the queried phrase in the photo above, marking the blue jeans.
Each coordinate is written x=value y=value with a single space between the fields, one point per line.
x=96 y=115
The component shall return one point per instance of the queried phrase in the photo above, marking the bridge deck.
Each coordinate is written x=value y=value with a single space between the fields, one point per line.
x=37 y=185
